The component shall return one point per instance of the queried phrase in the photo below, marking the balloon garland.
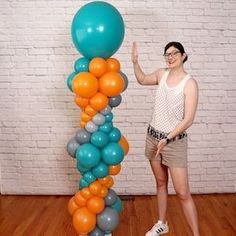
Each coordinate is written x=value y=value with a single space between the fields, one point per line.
x=98 y=146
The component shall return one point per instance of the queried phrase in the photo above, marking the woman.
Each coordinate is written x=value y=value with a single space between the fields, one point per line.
x=166 y=141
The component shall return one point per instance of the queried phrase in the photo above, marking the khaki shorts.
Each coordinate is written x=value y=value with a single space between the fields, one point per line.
x=174 y=154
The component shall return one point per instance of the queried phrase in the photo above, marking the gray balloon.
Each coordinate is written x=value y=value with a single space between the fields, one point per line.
x=115 y=101
x=108 y=219
x=82 y=136
x=111 y=197
x=91 y=127
x=106 y=110
x=125 y=78
x=72 y=146
x=98 y=119
x=97 y=232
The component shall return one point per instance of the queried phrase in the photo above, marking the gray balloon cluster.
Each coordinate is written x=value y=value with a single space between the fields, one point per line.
x=82 y=136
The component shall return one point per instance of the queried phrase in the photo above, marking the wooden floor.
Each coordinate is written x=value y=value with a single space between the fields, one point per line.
x=48 y=216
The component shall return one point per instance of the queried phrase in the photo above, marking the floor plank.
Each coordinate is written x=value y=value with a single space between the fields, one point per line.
x=48 y=216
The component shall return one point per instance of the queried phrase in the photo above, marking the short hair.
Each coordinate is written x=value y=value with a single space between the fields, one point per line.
x=178 y=46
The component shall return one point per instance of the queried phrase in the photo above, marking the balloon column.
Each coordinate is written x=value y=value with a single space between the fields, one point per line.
x=98 y=146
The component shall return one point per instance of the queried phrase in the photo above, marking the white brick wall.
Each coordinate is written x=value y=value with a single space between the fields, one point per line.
x=38 y=115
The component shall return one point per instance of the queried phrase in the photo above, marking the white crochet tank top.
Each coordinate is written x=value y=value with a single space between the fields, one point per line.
x=169 y=104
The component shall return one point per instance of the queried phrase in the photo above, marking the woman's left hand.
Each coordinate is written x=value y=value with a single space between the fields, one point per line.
x=160 y=146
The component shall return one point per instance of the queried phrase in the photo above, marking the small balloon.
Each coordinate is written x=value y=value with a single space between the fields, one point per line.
x=106 y=127
x=81 y=64
x=126 y=81
x=115 y=101
x=109 y=117
x=99 y=139
x=115 y=135
x=97 y=232
x=111 y=197
x=69 y=80
x=72 y=146
x=91 y=127
x=98 y=119
x=83 y=183
x=101 y=170
x=117 y=205
x=98 y=66
x=106 y=110
x=82 y=136
x=108 y=219
x=89 y=177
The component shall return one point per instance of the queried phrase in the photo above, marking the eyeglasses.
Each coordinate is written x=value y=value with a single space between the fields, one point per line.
x=172 y=54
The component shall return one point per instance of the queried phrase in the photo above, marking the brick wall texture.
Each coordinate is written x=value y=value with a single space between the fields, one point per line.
x=38 y=114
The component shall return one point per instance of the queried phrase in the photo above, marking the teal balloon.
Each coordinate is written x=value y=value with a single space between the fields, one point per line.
x=99 y=139
x=81 y=64
x=83 y=183
x=97 y=30
x=109 y=117
x=112 y=154
x=89 y=177
x=117 y=205
x=115 y=135
x=101 y=170
x=106 y=127
x=81 y=168
x=88 y=155
x=69 y=80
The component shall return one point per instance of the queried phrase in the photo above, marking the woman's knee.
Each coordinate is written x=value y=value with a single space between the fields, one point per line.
x=161 y=182
x=183 y=194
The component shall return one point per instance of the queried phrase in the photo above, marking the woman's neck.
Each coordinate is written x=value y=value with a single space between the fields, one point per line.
x=176 y=72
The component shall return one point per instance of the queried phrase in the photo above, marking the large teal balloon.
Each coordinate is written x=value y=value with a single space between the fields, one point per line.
x=97 y=30
x=112 y=154
x=88 y=155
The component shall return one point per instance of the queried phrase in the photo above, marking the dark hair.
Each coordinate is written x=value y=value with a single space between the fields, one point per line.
x=178 y=46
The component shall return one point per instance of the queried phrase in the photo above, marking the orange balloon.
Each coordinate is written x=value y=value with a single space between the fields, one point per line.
x=124 y=144
x=95 y=204
x=80 y=200
x=115 y=169
x=110 y=183
x=85 y=117
x=85 y=84
x=82 y=124
x=84 y=221
x=106 y=181
x=111 y=84
x=103 y=192
x=113 y=65
x=72 y=206
x=95 y=187
x=99 y=101
x=98 y=66
x=81 y=102
x=90 y=111
x=85 y=192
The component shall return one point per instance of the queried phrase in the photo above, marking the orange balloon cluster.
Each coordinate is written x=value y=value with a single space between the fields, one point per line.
x=88 y=202
x=93 y=88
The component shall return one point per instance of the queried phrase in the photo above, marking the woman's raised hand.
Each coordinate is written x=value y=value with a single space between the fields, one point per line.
x=134 y=55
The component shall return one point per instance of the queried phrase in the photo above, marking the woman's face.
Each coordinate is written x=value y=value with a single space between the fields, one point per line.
x=173 y=57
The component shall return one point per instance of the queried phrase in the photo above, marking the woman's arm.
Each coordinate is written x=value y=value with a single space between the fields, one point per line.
x=142 y=78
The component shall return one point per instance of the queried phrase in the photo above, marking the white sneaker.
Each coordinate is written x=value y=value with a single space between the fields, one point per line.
x=158 y=229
